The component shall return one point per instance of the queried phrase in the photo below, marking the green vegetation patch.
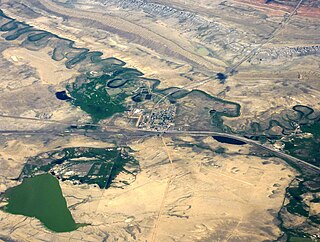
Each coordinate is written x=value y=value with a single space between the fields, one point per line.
x=311 y=128
x=83 y=165
x=93 y=98
x=41 y=197
x=306 y=147
x=96 y=95
x=298 y=199
x=299 y=239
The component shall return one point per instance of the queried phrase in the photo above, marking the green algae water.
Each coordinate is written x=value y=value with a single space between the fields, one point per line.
x=41 y=197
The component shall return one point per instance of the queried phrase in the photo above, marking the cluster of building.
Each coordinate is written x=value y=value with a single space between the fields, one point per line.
x=287 y=52
x=160 y=118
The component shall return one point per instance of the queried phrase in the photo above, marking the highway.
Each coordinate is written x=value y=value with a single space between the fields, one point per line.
x=135 y=132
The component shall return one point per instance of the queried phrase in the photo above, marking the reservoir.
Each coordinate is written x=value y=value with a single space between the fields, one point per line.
x=41 y=197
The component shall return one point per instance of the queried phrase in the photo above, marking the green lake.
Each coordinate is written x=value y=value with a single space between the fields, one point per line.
x=41 y=197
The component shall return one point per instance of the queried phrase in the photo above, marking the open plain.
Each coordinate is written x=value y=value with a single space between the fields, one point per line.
x=162 y=120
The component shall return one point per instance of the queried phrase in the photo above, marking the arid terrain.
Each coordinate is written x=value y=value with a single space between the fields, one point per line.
x=163 y=120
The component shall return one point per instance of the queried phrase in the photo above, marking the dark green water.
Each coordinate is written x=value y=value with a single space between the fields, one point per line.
x=41 y=197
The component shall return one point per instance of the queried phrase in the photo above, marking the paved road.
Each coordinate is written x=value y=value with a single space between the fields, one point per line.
x=134 y=132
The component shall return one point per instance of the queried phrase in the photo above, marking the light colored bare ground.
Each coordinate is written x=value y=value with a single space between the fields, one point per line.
x=177 y=48
x=50 y=72
x=146 y=60
x=14 y=153
x=228 y=197
x=258 y=88
x=260 y=92
x=209 y=198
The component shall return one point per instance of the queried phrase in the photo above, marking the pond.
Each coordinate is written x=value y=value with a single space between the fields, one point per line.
x=62 y=95
x=227 y=140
